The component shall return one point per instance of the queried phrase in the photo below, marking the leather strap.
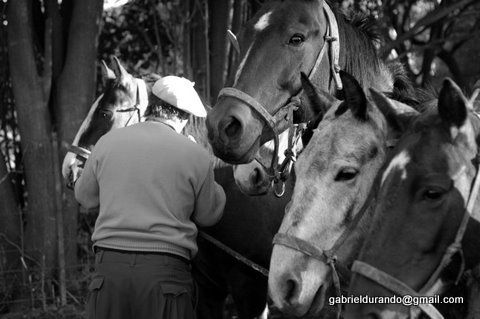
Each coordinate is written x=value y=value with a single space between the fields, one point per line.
x=250 y=101
x=334 y=47
x=394 y=285
x=79 y=151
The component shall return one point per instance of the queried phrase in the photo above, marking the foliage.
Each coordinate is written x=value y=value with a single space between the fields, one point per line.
x=145 y=34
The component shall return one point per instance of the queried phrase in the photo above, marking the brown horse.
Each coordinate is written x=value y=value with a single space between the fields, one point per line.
x=282 y=40
x=332 y=199
x=417 y=243
x=248 y=223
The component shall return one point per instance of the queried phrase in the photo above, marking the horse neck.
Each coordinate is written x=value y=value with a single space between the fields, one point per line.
x=197 y=128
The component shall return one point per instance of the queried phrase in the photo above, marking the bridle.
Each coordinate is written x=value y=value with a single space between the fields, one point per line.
x=329 y=256
x=398 y=287
x=141 y=100
x=285 y=112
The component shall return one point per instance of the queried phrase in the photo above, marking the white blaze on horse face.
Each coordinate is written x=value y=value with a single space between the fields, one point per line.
x=70 y=158
x=263 y=22
x=398 y=162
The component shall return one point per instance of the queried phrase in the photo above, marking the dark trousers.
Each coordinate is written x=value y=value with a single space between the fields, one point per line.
x=140 y=286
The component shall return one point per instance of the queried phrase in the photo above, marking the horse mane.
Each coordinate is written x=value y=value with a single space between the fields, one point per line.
x=359 y=33
x=405 y=91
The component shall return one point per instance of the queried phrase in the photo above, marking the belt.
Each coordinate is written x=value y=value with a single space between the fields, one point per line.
x=97 y=249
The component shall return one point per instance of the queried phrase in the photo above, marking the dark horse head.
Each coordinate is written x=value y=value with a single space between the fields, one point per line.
x=282 y=40
x=123 y=103
x=425 y=188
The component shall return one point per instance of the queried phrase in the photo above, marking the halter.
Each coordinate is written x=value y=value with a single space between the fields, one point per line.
x=285 y=112
x=329 y=256
x=396 y=286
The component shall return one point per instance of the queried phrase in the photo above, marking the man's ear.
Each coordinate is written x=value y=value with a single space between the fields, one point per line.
x=397 y=114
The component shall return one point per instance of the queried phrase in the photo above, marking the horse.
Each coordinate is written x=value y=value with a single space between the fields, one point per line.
x=333 y=194
x=248 y=223
x=282 y=40
x=424 y=233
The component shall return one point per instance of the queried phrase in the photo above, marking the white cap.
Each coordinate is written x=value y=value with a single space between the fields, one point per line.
x=180 y=93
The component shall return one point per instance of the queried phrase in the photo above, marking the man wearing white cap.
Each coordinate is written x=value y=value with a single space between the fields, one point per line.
x=153 y=186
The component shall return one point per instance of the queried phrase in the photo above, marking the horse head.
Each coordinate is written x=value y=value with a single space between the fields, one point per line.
x=123 y=103
x=414 y=236
x=283 y=39
x=335 y=175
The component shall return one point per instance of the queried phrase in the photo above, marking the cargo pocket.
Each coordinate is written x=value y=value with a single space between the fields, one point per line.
x=93 y=291
x=178 y=302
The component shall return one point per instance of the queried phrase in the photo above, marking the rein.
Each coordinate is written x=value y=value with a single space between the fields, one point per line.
x=396 y=286
x=285 y=112
x=135 y=108
x=329 y=256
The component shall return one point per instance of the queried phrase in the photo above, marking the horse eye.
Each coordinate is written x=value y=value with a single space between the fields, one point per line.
x=433 y=194
x=106 y=114
x=296 y=39
x=346 y=174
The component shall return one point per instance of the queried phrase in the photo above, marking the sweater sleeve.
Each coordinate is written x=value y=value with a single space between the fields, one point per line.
x=210 y=201
x=86 y=187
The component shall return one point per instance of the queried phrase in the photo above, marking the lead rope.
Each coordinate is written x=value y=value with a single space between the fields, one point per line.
x=281 y=175
x=234 y=254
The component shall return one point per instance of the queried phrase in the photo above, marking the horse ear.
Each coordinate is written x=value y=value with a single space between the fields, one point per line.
x=233 y=40
x=354 y=96
x=119 y=70
x=452 y=104
x=397 y=114
x=320 y=101
x=107 y=73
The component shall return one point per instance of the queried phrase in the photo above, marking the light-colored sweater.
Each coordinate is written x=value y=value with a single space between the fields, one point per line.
x=152 y=185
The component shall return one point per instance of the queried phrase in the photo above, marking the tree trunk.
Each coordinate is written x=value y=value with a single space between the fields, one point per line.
x=237 y=18
x=219 y=21
x=74 y=93
x=199 y=48
x=10 y=234
x=31 y=94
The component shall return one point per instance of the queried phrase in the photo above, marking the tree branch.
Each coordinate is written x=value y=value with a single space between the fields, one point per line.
x=422 y=24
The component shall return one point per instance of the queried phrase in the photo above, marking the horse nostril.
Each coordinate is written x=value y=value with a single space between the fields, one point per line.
x=257 y=176
x=290 y=290
x=233 y=127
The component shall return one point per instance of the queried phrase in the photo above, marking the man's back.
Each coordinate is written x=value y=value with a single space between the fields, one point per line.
x=151 y=180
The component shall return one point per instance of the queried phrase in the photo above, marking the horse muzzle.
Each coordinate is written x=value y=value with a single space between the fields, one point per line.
x=234 y=132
